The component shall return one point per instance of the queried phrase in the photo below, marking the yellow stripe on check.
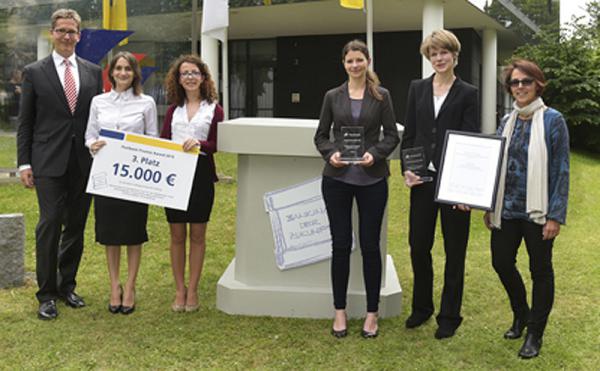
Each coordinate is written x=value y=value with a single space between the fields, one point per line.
x=158 y=143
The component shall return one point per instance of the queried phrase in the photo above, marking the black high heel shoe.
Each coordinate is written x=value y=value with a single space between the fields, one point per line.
x=340 y=333
x=531 y=347
x=516 y=330
x=370 y=334
x=114 y=309
x=128 y=310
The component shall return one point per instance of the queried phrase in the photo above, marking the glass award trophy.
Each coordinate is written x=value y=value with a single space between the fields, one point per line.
x=413 y=159
x=353 y=143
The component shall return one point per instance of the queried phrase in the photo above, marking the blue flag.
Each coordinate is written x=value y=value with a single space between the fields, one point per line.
x=95 y=44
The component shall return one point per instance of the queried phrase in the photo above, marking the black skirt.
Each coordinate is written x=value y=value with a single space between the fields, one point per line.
x=201 y=198
x=120 y=222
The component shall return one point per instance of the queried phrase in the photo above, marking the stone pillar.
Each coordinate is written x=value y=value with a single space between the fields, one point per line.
x=433 y=19
x=209 y=52
x=12 y=250
x=275 y=153
x=489 y=81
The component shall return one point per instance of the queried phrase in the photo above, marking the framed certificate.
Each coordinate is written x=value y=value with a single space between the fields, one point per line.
x=470 y=169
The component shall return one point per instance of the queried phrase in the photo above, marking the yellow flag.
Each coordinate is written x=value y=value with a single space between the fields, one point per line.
x=114 y=16
x=352 y=4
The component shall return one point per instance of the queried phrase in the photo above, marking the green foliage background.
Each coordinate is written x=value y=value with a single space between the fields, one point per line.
x=571 y=62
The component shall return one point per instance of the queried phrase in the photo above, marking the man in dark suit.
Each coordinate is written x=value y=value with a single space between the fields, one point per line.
x=55 y=101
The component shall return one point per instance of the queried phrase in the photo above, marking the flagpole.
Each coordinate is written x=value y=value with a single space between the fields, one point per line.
x=225 y=69
x=369 y=11
x=195 y=27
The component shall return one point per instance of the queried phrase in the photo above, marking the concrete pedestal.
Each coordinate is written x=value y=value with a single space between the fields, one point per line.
x=12 y=250
x=274 y=154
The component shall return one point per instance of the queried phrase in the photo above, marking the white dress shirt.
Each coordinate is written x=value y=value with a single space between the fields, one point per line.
x=121 y=111
x=196 y=128
x=438 y=101
x=60 y=68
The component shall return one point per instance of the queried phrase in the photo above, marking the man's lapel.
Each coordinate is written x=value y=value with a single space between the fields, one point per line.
x=52 y=75
x=84 y=79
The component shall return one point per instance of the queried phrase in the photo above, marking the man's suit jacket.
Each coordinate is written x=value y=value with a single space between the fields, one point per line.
x=46 y=125
x=374 y=114
x=460 y=111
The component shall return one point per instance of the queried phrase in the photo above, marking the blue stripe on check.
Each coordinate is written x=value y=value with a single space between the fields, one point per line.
x=112 y=134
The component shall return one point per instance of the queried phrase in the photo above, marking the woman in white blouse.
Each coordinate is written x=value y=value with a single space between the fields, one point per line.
x=192 y=121
x=121 y=222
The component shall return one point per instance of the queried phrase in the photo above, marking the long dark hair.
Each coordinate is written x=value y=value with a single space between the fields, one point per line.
x=176 y=93
x=372 y=79
x=136 y=84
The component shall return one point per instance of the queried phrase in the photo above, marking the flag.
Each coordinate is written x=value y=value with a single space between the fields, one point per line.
x=352 y=4
x=215 y=18
x=114 y=16
x=93 y=45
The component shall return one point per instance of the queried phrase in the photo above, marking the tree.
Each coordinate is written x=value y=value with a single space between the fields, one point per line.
x=570 y=61
x=544 y=13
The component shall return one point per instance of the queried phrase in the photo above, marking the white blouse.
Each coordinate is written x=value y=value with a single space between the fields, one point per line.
x=196 y=128
x=438 y=101
x=121 y=111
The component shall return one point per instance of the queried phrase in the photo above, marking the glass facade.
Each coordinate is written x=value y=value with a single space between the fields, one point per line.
x=252 y=77
x=162 y=31
x=267 y=76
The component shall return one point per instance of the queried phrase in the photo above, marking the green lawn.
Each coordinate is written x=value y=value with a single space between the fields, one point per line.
x=8 y=150
x=156 y=338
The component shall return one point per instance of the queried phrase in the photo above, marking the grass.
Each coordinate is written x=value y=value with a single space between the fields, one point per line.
x=8 y=150
x=156 y=338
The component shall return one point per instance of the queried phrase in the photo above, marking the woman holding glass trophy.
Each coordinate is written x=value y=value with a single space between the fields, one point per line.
x=356 y=168
x=436 y=104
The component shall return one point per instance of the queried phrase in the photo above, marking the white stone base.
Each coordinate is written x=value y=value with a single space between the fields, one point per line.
x=234 y=297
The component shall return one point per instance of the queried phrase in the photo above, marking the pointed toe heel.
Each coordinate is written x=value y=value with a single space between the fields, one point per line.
x=339 y=333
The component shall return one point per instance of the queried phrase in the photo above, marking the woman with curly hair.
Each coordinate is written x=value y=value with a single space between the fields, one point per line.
x=192 y=120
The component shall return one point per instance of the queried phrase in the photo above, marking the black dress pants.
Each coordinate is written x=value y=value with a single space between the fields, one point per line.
x=455 y=230
x=505 y=244
x=63 y=206
x=371 y=201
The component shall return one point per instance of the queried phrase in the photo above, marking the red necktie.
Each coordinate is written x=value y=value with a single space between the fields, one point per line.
x=70 y=87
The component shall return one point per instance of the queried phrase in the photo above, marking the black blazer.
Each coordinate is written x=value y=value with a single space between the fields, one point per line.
x=460 y=111
x=47 y=128
x=374 y=114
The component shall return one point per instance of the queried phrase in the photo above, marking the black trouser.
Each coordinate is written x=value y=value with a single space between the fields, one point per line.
x=64 y=207
x=505 y=244
x=455 y=229
x=371 y=201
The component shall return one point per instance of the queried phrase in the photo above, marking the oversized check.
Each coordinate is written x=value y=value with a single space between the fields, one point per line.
x=143 y=169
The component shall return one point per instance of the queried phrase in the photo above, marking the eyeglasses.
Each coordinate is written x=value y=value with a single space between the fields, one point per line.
x=190 y=74
x=64 y=31
x=515 y=82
